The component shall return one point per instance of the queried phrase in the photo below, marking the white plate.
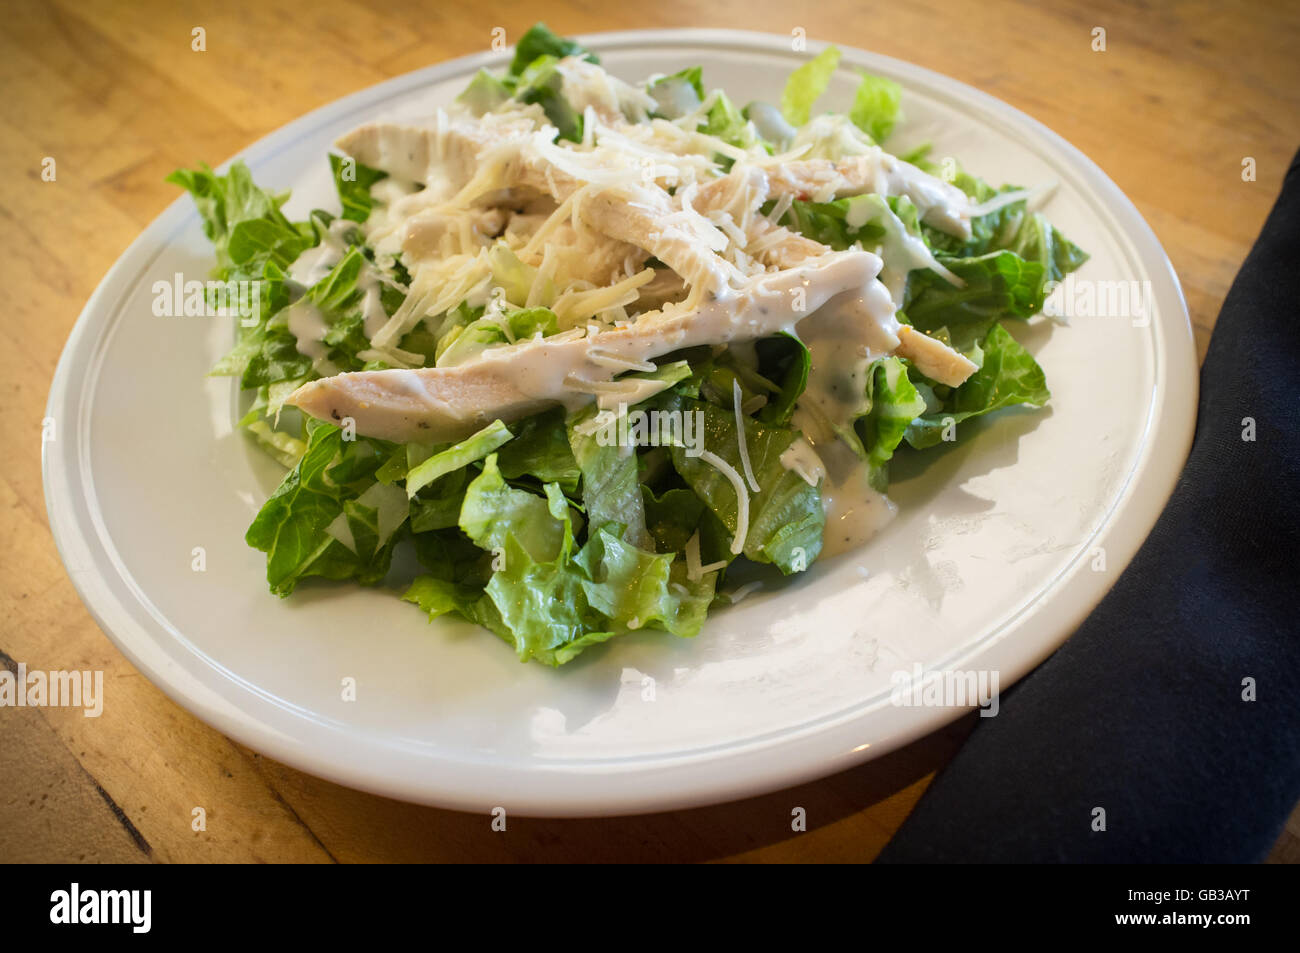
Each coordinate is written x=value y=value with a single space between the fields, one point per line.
x=989 y=566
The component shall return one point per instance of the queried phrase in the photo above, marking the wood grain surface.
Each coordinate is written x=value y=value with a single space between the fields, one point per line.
x=113 y=91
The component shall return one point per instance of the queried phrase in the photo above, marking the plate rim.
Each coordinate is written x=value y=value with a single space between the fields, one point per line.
x=745 y=769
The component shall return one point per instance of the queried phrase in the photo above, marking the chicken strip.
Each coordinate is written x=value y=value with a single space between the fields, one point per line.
x=437 y=404
x=942 y=205
x=469 y=158
x=444 y=156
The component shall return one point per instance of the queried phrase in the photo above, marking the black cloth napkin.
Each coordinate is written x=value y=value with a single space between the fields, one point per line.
x=1141 y=713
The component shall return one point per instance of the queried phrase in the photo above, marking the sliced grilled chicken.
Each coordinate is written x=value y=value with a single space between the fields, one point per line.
x=437 y=404
x=443 y=156
x=944 y=206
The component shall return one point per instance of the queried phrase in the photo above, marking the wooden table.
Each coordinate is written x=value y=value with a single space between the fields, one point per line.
x=115 y=94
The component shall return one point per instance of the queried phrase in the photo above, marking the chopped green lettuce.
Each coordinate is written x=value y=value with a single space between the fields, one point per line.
x=806 y=85
x=541 y=83
x=786 y=517
x=353 y=180
x=611 y=492
x=998 y=285
x=456 y=457
x=330 y=517
x=1008 y=376
x=895 y=403
x=679 y=94
x=484 y=93
x=876 y=106
x=540 y=41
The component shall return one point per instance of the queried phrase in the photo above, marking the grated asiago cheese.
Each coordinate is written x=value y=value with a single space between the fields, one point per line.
x=728 y=226
x=742 y=497
x=740 y=436
x=545 y=278
x=744 y=591
x=782 y=206
x=694 y=570
x=562 y=214
x=393 y=356
x=436 y=288
x=1001 y=200
x=573 y=308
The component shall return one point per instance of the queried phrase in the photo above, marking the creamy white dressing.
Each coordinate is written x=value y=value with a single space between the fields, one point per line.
x=390 y=189
x=373 y=315
x=901 y=251
x=307 y=324
x=317 y=262
x=391 y=195
x=855 y=511
x=843 y=340
x=853 y=329
x=803 y=460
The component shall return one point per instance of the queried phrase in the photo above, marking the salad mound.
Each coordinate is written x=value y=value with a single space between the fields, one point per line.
x=586 y=346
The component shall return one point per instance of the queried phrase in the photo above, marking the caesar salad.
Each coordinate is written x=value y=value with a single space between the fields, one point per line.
x=587 y=346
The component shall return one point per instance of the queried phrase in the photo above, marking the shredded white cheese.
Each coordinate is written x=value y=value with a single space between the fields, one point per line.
x=742 y=497
x=744 y=591
x=740 y=436
x=695 y=571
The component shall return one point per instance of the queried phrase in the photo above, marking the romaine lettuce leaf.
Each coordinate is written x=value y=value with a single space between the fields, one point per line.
x=634 y=588
x=456 y=457
x=484 y=332
x=541 y=451
x=1037 y=240
x=541 y=83
x=829 y=223
x=493 y=511
x=228 y=202
x=438 y=505
x=895 y=403
x=876 y=106
x=484 y=93
x=329 y=516
x=727 y=122
x=353 y=180
x=786 y=517
x=806 y=85
x=1008 y=375
x=672 y=517
x=540 y=41
x=611 y=491
x=788 y=356
x=678 y=94
x=545 y=597
x=998 y=285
